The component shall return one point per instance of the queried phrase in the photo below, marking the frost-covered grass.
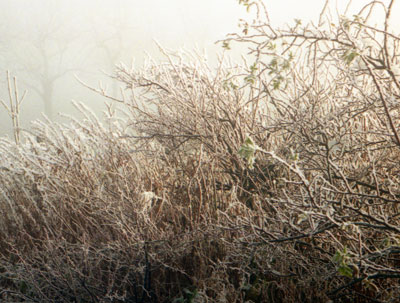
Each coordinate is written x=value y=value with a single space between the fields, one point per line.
x=277 y=181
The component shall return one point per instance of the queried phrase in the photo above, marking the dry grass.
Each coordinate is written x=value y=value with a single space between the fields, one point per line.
x=158 y=206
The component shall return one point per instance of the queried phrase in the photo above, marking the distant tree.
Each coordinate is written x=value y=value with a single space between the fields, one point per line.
x=42 y=50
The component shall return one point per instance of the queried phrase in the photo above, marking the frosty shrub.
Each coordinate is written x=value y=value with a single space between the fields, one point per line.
x=275 y=180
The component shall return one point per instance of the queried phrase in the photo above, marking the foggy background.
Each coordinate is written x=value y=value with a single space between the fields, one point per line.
x=46 y=43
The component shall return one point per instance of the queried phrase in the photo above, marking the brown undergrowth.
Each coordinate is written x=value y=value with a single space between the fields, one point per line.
x=277 y=181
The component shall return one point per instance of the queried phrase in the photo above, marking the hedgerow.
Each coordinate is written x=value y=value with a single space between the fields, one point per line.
x=270 y=181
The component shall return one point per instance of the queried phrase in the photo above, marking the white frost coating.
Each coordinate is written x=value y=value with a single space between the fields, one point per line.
x=396 y=70
x=358 y=64
x=146 y=199
x=315 y=33
x=359 y=45
x=368 y=43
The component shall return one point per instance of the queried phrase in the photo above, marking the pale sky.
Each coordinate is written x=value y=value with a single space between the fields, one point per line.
x=190 y=22
x=172 y=23
x=282 y=11
x=210 y=20
x=175 y=23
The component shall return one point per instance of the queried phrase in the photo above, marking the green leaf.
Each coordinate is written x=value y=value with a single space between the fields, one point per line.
x=225 y=45
x=271 y=46
x=253 y=67
x=342 y=259
x=345 y=271
x=247 y=151
x=250 y=79
x=349 y=56
x=276 y=84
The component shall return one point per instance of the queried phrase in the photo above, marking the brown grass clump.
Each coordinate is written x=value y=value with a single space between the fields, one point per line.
x=273 y=182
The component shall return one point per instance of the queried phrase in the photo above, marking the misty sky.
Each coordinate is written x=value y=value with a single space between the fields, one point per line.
x=59 y=39
x=173 y=23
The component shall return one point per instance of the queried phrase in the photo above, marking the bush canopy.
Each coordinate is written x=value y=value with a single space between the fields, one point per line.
x=275 y=180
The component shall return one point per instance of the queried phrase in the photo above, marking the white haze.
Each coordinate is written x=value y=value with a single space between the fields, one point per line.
x=64 y=38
